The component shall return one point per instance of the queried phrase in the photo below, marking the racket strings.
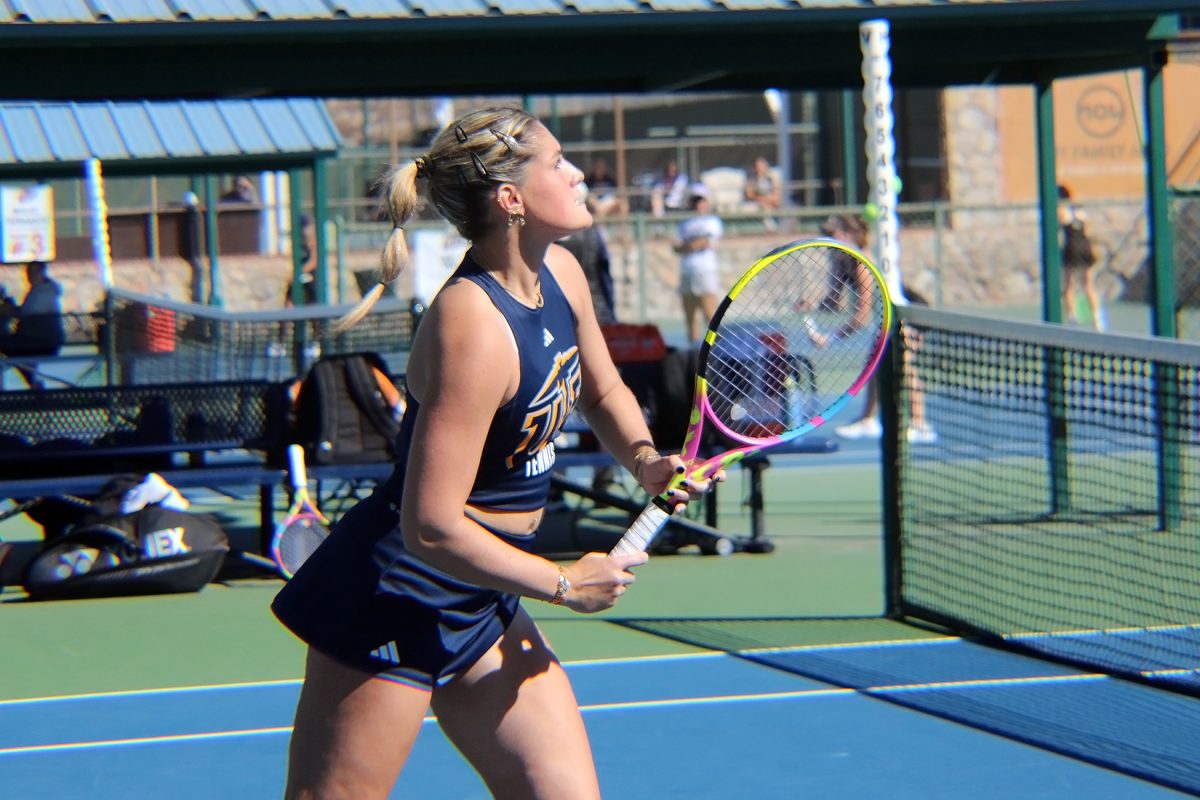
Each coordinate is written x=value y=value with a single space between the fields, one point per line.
x=299 y=539
x=790 y=342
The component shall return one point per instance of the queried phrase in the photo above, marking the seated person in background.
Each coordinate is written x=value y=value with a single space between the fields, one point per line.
x=670 y=191
x=308 y=265
x=763 y=189
x=241 y=191
x=35 y=326
x=602 y=189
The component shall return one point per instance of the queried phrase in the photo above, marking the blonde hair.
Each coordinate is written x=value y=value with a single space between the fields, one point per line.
x=464 y=165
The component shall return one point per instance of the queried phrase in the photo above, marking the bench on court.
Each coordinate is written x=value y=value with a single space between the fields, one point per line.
x=228 y=434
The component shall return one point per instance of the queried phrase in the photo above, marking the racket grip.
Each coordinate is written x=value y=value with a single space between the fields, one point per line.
x=643 y=530
x=296 y=466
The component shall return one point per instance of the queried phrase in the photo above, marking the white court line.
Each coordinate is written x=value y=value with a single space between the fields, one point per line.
x=298 y=681
x=707 y=654
x=216 y=687
x=684 y=702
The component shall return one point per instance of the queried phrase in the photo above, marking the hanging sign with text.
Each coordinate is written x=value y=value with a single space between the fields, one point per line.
x=27 y=223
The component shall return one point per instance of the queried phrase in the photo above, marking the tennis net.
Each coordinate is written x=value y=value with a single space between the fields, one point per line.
x=155 y=340
x=1058 y=506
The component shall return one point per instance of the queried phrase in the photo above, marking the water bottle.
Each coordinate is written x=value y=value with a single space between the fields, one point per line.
x=794 y=398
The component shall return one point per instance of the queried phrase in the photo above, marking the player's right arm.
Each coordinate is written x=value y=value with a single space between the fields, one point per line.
x=463 y=367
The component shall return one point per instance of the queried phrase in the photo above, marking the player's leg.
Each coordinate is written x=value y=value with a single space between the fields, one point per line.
x=691 y=310
x=1095 y=305
x=706 y=293
x=515 y=718
x=708 y=305
x=352 y=732
x=1070 y=279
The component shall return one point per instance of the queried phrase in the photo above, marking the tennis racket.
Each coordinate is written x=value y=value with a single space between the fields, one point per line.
x=299 y=534
x=796 y=338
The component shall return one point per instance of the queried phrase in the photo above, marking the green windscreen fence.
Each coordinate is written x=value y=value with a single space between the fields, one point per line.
x=1058 y=507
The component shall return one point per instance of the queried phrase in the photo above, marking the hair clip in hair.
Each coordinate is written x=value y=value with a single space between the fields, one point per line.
x=479 y=167
x=422 y=166
x=460 y=134
x=505 y=139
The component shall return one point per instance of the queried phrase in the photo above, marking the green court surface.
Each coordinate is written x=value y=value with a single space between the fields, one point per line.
x=822 y=515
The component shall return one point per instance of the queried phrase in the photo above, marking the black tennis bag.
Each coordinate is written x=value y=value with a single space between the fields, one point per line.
x=347 y=411
x=155 y=550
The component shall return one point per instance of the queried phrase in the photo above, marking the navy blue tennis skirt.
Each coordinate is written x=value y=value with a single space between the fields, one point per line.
x=365 y=601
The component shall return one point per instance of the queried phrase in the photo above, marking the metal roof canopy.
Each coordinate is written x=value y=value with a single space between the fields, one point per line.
x=45 y=139
x=54 y=139
x=345 y=48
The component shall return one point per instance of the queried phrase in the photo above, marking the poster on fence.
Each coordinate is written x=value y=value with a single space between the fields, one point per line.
x=27 y=223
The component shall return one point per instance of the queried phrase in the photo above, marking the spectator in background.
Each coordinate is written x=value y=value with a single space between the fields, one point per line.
x=591 y=250
x=854 y=232
x=241 y=191
x=603 y=192
x=670 y=192
x=867 y=426
x=849 y=230
x=1078 y=262
x=763 y=189
x=699 y=268
x=308 y=265
x=35 y=326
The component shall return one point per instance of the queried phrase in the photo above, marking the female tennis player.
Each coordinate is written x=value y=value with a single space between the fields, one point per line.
x=412 y=602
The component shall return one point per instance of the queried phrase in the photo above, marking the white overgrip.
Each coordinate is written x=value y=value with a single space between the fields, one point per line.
x=643 y=530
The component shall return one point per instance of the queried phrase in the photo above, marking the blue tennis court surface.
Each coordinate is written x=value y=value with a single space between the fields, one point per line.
x=863 y=721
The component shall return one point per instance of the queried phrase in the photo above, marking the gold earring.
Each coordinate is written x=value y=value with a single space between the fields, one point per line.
x=516 y=219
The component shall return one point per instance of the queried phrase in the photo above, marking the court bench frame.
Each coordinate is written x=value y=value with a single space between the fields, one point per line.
x=229 y=434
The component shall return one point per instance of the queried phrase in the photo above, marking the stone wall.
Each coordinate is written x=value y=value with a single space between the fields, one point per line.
x=983 y=257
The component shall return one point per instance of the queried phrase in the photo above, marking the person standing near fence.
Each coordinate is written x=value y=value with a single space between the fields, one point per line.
x=413 y=601
x=853 y=231
x=1078 y=262
x=33 y=327
x=590 y=248
x=764 y=191
x=699 y=267
x=308 y=265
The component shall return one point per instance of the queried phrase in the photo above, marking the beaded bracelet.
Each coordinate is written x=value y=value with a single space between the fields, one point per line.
x=639 y=460
x=560 y=592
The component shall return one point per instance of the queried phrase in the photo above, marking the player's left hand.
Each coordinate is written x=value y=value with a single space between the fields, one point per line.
x=659 y=472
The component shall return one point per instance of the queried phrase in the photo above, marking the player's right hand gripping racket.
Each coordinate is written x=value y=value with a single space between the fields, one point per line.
x=795 y=339
x=304 y=527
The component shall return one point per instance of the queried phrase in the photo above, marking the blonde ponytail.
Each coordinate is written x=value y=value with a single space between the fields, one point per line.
x=400 y=185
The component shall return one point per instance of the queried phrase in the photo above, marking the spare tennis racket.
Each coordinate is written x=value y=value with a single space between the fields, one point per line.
x=299 y=534
x=796 y=338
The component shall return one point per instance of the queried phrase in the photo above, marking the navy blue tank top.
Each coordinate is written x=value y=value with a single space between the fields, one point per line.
x=518 y=454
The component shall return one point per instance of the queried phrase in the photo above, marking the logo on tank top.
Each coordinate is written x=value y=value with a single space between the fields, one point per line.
x=547 y=412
